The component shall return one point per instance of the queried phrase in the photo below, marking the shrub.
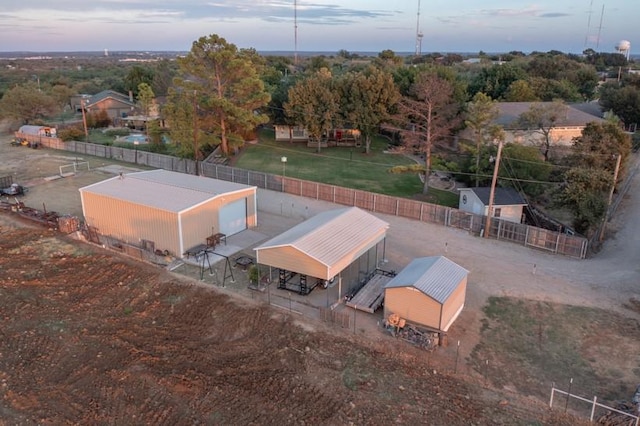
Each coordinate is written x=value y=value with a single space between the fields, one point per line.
x=72 y=133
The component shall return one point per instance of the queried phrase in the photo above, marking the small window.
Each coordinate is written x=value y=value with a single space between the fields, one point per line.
x=496 y=212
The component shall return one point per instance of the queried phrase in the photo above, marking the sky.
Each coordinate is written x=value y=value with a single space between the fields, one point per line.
x=569 y=26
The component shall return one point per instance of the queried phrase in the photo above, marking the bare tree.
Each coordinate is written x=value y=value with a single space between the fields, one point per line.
x=427 y=116
x=542 y=118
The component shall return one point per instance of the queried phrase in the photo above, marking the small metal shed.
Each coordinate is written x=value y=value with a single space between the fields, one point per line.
x=175 y=211
x=429 y=291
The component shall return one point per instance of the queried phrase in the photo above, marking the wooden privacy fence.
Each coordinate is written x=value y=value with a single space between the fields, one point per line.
x=529 y=236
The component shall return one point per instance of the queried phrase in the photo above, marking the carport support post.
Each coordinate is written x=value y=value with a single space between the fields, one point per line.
x=355 y=311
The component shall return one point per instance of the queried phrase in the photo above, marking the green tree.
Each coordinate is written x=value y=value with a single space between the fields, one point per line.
x=228 y=87
x=623 y=100
x=26 y=104
x=525 y=167
x=496 y=79
x=599 y=146
x=366 y=99
x=520 y=91
x=542 y=118
x=481 y=114
x=136 y=76
x=145 y=98
x=585 y=194
x=590 y=179
x=314 y=103
x=427 y=117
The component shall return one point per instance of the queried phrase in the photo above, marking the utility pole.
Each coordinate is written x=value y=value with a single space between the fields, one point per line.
x=494 y=180
x=613 y=187
x=195 y=129
x=84 y=121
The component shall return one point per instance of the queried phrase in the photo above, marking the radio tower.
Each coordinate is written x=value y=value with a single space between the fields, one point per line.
x=418 y=34
x=295 y=32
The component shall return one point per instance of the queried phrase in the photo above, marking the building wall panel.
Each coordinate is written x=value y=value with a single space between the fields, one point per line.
x=131 y=222
x=412 y=305
x=452 y=305
x=288 y=258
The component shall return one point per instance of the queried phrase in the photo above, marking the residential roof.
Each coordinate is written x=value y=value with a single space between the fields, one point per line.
x=330 y=235
x=501 y=196
x=163 y=189
x=105 y=94
x=435 y=276
x=509 y=113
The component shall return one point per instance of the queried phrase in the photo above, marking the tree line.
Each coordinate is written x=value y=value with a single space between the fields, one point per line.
x=218 y=94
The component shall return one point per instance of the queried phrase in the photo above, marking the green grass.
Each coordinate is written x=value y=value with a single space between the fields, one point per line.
x=533 y=344
x=342 y=166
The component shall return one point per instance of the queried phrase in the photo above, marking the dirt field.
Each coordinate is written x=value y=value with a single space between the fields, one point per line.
x=92 y=337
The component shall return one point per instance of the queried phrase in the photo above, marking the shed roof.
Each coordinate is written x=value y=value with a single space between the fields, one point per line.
x=331 y=235
x=31 y=129
x=164 y=190
x=509 y=113
x=501 y=196
x=435 y=276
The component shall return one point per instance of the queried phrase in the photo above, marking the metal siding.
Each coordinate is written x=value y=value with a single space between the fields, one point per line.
x=334 y=238
x=453 y=304
x=130 y=222
x=289 y=258
x=413 y=306
x=232 y=217
x=198 y=223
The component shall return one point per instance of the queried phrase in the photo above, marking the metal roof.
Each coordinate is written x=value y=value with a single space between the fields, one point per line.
x=330 y=235
x=163 y=189
x=501 y=196
x=435 y=276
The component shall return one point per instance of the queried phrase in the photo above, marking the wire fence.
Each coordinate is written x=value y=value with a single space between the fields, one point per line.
x=590 y=407
x=542 y=239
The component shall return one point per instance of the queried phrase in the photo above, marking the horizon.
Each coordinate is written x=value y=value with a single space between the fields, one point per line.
x=570 y=26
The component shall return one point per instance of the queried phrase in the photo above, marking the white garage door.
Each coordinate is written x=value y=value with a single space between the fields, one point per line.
x=233 y=217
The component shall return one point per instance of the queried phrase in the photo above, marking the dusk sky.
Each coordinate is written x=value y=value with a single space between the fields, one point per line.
x=327 y=26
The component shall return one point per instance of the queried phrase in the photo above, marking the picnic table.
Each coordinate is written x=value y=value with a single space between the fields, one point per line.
x=244 y=261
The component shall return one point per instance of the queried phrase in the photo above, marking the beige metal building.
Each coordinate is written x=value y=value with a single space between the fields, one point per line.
x=345 y=244
x=174 y=211
x=429 y=291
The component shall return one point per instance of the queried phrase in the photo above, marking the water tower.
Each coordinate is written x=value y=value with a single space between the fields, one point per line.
x=624 y=47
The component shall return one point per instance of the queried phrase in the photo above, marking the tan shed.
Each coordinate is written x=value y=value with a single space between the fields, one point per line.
x=429 y=291
x=343 y=241
x=174 y=211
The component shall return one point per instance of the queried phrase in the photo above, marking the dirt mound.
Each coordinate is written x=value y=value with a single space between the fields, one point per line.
x=89 y=337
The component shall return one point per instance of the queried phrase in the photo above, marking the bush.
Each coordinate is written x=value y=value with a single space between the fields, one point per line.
x=74 y=133
x=118 y=131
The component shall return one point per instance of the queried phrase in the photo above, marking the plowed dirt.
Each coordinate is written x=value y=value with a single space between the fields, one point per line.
x=90 y=337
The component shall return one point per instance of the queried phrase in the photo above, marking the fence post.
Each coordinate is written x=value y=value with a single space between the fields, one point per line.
x=397 y=206
x=421 y=209
x=593 y=408
x=374 y=202
x=557 y=243
x=551 y=399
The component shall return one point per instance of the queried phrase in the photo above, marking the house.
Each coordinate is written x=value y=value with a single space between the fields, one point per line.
x=344 y=244
x=508 y=204
x=563 y=132
x=428 y=292
x=174 y=211
x=334 y=137
x=117 y=105
x=284 y=133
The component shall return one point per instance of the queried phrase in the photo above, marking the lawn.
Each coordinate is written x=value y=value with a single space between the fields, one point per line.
x=343 y=166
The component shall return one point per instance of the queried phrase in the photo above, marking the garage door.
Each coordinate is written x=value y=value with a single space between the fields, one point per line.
x=233 y=217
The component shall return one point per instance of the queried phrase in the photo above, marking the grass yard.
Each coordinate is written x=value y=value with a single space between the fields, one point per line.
x=343 y=166
x=529 y=345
